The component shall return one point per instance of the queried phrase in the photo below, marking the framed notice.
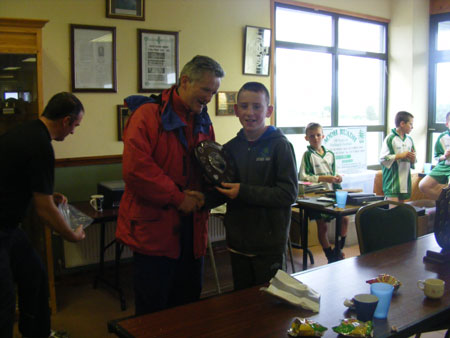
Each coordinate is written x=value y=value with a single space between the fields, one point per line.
x=93 y=52
x=122 y=117
x=257 y=50
x=126 y=9
x=225 y=102
x=158 y=60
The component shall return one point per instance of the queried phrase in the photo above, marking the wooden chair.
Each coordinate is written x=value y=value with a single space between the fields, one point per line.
x=379 y=226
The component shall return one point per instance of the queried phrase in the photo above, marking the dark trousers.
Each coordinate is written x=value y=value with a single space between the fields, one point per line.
x=162 y=282
x=20 y=264
x=251 y=271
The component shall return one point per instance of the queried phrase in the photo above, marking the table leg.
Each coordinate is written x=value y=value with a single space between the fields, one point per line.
x=119 y=249
x=100 y=275
x=304 y=226
x=337 y=235
x=102 y=254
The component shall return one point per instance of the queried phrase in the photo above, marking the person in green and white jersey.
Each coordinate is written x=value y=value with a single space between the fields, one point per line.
x=432 y=184
x=397 y=157
x=319 y=165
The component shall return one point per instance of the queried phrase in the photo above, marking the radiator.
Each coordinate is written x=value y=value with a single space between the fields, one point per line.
x=88 y=250
x=216 y=229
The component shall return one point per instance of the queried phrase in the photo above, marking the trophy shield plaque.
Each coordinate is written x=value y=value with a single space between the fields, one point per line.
x=215 y=162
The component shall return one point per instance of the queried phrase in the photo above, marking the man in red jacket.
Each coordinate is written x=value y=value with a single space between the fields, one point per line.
x=158 y=220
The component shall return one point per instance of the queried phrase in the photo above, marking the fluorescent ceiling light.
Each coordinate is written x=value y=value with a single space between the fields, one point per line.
x=6 y=76
x=31 y=59
x=11 y=68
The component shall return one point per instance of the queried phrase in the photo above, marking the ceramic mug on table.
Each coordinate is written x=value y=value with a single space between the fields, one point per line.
x=97 y=202
x=432 y=287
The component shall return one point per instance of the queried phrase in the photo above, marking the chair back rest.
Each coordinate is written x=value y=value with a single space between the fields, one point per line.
x=442 y=219
x=379 y=226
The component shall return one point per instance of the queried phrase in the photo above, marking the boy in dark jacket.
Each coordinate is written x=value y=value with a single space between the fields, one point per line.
x=259 y=205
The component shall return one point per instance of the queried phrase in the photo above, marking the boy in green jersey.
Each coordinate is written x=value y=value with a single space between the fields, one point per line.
x=432 y=184
x=319 y=165
x=397 y=157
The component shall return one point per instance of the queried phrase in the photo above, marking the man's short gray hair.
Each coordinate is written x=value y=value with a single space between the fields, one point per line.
x=200 y=64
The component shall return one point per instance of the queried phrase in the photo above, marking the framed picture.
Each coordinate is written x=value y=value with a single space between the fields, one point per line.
x=126 y=9
x=93 y=52
x=225 y=102
x=257 y=42
x=158 y=60
x=122 y=117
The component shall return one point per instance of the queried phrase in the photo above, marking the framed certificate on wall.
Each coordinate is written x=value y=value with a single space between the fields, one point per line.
x=158 y=60
x=257 y=42
x=93 y=51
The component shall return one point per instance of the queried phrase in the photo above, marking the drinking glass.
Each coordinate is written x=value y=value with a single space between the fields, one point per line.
x=384 y=293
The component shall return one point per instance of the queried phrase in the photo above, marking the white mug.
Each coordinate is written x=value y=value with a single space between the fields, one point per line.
x=97 y=202
x=432 y=287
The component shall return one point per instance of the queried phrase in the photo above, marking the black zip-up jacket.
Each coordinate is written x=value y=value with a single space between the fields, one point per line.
x=258 y=220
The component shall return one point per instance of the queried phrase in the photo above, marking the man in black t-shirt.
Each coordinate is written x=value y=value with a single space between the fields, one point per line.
x=27 y=177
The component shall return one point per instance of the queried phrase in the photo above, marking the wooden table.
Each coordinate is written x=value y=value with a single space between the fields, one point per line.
x=309 y=203
x=252 y=313
x=102 y=217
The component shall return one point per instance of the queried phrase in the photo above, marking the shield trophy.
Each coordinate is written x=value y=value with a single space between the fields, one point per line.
x=216 y=164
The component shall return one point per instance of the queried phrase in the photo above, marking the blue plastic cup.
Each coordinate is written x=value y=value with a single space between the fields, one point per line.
x=427 y=168
x=341 y=198
x=384 y=293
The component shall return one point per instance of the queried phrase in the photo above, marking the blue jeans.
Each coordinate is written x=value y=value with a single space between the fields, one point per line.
x=20 y=264
x=162 y=282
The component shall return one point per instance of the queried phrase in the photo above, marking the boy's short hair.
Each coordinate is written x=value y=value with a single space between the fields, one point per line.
x=312 y=126
x=447 y=117
x=200 y=64
x=402 y=116
x=256 y=87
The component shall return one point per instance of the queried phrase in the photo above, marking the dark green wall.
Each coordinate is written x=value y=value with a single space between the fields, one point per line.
x=79 y=183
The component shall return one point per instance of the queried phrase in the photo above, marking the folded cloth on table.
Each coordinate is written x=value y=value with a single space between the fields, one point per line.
x=284 y=286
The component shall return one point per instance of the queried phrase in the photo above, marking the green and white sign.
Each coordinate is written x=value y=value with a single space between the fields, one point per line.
x=349 y=146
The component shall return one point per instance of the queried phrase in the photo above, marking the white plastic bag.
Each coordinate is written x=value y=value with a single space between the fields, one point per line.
x=74 y=217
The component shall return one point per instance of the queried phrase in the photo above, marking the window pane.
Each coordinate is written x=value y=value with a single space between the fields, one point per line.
x=299 y=143
x=360 y=91
x=443 y=35
x=442 y=91
x=363 y=36
x=434 y=138
x=303 y=27
x=373 y=141
x=303 y=88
